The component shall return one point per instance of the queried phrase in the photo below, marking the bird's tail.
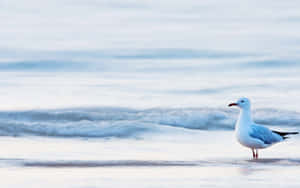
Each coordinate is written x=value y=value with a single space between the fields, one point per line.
x=284 y=134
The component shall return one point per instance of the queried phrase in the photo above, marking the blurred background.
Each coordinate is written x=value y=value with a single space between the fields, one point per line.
x=145 y=54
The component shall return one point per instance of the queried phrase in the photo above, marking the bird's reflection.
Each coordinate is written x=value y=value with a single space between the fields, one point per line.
x=249 y=167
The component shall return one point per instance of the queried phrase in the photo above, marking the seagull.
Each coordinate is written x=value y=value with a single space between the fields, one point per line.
x=252 y=135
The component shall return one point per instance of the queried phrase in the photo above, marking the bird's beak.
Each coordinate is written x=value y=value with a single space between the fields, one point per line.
x=232 y=104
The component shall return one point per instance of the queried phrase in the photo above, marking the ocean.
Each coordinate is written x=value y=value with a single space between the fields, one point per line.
x=134 y=93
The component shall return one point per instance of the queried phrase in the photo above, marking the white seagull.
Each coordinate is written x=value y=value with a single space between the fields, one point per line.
x=252 y=135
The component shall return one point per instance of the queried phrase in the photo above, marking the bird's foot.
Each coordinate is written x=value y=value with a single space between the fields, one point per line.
x=256 y=154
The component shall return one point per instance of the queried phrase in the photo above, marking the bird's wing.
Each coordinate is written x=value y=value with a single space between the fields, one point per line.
x=264 y=134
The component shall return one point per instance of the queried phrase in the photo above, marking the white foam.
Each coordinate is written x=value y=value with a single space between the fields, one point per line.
x=122 y=122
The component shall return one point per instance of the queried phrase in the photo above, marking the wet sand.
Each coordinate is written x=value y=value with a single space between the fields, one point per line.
x=204 y=159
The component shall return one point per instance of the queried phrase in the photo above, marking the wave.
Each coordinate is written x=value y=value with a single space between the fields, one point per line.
x=135 y=60
x=123 y=122
x=267 y=64
x=45 y=65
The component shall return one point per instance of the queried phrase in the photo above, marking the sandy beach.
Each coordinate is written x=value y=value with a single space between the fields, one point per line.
x=202 y=159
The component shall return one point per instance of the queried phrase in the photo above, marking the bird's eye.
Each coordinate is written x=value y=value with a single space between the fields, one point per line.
x=242 y=101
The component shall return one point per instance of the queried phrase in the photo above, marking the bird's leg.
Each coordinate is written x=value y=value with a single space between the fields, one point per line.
x=256 y=155
x=253 y=153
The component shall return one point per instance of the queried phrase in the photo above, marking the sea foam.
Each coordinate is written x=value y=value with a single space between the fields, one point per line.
x=123 y=122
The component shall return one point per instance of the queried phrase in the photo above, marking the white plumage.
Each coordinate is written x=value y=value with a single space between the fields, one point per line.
x=252 y=135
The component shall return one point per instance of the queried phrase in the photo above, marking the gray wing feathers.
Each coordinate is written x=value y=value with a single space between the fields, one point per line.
x=264 y=134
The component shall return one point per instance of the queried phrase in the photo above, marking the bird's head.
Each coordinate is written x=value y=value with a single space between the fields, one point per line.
x=243 y=103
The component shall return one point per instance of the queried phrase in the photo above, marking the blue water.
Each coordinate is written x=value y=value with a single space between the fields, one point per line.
x=131 y=123
x=120 y=69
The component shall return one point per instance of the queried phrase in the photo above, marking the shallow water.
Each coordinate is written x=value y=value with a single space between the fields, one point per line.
x=138 y=163
x=212 y=159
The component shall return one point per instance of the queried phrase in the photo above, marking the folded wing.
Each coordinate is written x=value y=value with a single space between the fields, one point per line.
x=264 y=134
